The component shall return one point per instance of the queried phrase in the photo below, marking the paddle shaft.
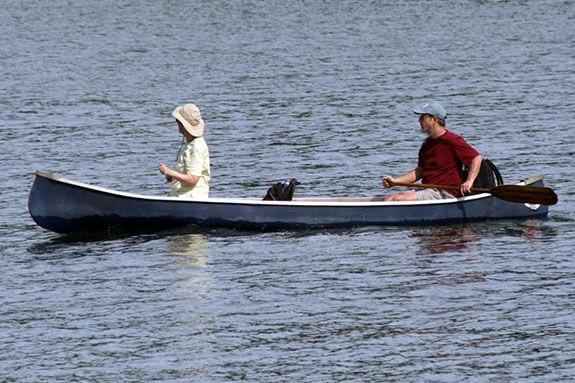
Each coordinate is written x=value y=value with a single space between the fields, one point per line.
x=512 y=193
x=432 y=186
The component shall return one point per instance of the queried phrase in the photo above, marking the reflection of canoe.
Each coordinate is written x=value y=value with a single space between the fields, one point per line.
x=66 y=206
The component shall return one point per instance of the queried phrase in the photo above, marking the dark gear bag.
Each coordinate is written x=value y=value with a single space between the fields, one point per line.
x=488 y=176
x=282 y=191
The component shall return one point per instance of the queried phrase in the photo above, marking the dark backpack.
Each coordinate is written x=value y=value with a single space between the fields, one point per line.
x=282 y=191
x=488 y=176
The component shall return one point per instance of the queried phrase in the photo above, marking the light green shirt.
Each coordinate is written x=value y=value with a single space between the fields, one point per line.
x=193 y=159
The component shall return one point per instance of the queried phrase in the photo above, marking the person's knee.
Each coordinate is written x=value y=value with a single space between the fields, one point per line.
x=393 y=197
x=406 y=196
x=401 y=197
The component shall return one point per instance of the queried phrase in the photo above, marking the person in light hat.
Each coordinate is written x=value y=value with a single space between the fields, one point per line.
x=440 y=161
x=191 y=178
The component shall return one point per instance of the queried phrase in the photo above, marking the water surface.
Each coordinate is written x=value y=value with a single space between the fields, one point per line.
x=318 y=90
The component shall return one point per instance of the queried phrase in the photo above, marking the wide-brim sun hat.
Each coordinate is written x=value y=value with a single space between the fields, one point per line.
x=432 y=108
x=191 y=119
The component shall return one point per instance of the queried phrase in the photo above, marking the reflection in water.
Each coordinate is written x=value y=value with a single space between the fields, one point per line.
x=58 y=244
x=440 y=239
x=190 y=247
x=531 y=229
x=192 y=282
x=463 y=242
x=459 y=238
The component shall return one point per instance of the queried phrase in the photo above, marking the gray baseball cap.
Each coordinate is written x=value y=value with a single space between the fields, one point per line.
x=433 y=108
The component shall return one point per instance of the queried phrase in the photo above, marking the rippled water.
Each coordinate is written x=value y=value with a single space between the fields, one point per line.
x=318 y=90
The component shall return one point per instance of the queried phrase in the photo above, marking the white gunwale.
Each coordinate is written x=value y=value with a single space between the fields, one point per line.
x=303 y=201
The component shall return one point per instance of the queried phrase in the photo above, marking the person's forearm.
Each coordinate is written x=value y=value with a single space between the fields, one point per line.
x=410 y=177
x=474 y=169
x=187 y=179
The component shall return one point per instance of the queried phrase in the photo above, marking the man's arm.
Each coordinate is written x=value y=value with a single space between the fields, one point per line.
x=472 y=175
x=409 y=177
x=186 y=179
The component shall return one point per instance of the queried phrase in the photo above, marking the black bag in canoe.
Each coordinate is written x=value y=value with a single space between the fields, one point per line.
x=488 y=176
x=282 y=191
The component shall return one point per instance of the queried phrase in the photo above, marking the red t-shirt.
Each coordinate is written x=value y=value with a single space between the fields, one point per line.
x=441 y=160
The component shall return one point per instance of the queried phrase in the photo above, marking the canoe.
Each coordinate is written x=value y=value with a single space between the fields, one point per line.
x=66 y=206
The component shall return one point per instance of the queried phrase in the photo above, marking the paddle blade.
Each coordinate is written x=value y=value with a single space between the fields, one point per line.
x=525 y=194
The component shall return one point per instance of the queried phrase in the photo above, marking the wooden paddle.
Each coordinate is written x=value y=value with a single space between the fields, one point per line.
x=513 y=193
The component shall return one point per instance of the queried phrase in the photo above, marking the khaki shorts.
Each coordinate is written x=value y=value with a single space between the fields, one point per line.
x=430 y=194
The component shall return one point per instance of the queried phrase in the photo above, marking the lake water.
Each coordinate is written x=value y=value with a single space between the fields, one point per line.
x=318 y=90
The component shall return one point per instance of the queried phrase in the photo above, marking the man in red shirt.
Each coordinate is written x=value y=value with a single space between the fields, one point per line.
x=441 y=159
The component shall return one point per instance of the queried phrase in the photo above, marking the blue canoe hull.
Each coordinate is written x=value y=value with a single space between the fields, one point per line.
x=65 y=206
